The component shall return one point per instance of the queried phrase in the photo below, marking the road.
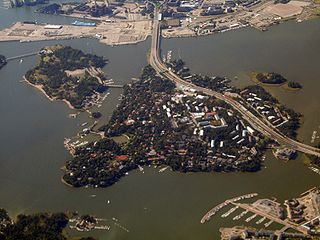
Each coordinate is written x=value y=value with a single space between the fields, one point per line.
x=263 y=127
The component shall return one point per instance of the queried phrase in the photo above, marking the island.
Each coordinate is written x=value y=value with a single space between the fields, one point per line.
x=181 y=129
x=270 y=78
x=294 y=85
x=68 y=74
x=3 y=61
x=36 y=226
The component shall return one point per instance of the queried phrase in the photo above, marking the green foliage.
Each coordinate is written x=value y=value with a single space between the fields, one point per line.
x=3 y=61
x=270 y=78
x=36 y=227
x=50 y=73
x=292 y=84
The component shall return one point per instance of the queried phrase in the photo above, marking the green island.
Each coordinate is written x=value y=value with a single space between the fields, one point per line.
x=37 y=226
x=3 y=61
x=269 y=78
x=294 y=85
x=67 y=74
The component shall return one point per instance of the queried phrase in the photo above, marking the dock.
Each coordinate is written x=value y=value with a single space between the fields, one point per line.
x=260 y=221
x=238 y=217
x=229 y=212
x=217 y=208
x=252 y=217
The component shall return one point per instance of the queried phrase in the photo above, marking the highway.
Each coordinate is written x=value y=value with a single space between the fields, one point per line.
x=263 y=127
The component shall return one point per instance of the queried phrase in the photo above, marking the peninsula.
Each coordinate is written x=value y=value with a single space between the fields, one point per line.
x=67 y=74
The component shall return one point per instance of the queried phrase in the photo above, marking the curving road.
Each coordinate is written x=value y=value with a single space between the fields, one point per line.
x=263 y=127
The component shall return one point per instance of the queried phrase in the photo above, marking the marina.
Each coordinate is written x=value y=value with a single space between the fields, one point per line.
x=217 y=208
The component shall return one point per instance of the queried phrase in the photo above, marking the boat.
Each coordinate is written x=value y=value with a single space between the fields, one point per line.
x=163 y=169
x=84 y=24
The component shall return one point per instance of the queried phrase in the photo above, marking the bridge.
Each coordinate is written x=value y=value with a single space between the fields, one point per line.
x=22 y=56
x=264 y=127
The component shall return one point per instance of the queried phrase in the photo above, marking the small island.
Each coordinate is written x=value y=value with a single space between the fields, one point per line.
x=269 y=78
x=70 y=75
x=294 y=85
x=3 y=61
x=274 y=79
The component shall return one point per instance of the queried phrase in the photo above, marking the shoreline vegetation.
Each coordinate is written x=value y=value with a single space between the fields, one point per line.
x=69 y=75
x=3 y=61
x=270 y=79
x=37 y=226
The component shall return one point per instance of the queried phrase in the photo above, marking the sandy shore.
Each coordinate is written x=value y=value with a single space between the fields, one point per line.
x=40 y=88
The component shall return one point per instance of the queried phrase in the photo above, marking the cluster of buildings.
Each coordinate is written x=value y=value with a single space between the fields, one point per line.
x=265 y=107
x=268 y=234
x=295 y=210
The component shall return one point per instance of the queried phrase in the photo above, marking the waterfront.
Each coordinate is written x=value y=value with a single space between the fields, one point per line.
x=32 y=131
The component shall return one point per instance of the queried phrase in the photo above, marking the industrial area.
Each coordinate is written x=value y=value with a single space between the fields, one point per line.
x=298 y=217
x=115 y=23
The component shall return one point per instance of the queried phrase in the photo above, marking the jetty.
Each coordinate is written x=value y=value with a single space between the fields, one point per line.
x=252 y=217
x=229 y=212
x=217 y=208
x=238 y=217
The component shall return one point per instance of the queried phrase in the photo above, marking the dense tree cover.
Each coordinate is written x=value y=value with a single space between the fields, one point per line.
x=35 y=227
x=39 y=226
x=96 y=114
x=263 y=94
x=270 y=78
x=50 y=74
x=292 y=84
x=53 y=8
x=97 y=165
x=3 y=61
x=216 y=83
x=290 y=128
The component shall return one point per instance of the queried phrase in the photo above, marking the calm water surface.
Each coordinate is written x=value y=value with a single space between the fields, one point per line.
x=150 y=205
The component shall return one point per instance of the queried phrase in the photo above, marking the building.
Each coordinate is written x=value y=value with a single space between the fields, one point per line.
x=173 y=23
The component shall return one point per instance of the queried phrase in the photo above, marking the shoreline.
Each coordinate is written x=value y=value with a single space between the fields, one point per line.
x=144 y=38
x=39 y=87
